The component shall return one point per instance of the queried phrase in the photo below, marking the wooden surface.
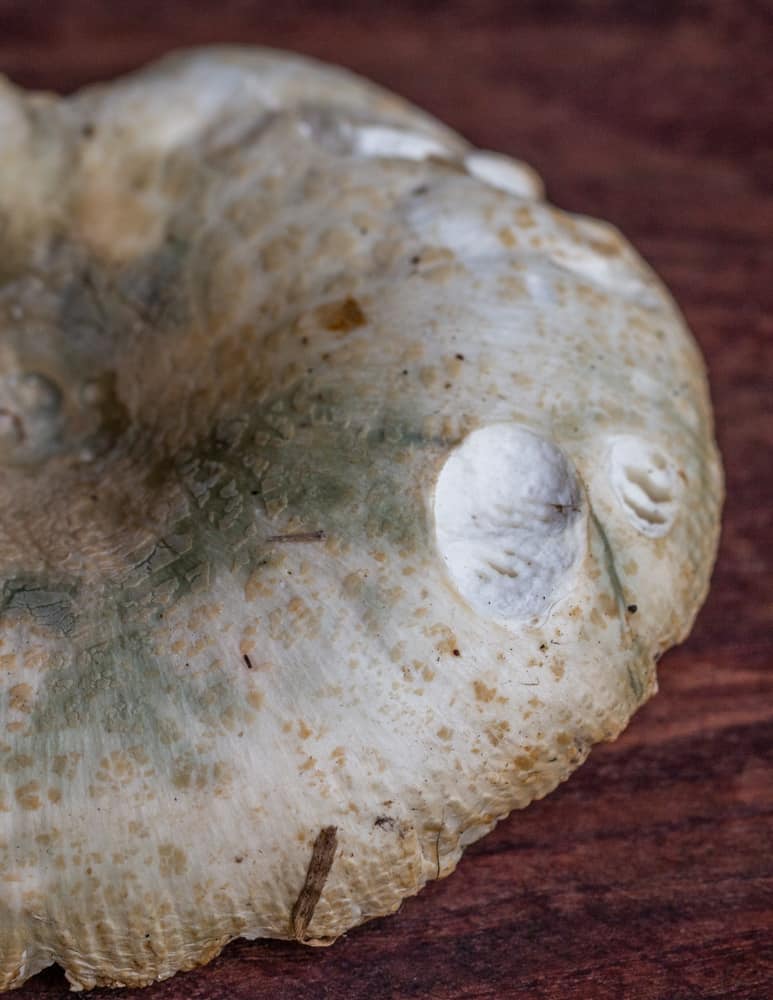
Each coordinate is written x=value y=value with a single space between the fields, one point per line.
x=650 y=873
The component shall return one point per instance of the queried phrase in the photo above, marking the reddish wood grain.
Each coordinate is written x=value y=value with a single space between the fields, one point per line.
x=649 y=875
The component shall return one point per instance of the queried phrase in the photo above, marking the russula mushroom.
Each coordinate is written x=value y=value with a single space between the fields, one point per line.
x=350 y=494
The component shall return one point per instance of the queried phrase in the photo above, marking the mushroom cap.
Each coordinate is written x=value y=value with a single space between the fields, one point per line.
x=350 y=493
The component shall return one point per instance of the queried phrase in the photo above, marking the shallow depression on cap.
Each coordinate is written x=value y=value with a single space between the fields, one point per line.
x=508 y=508
x=645 y=483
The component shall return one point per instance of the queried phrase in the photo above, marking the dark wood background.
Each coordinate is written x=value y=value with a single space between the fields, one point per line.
x=649 y=875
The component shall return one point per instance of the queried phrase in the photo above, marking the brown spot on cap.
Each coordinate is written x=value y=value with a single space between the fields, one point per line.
x=172 y=860
x=482 y=692
x=341 y=317
x=27 y=795
x=20 y=698
x=255 y=699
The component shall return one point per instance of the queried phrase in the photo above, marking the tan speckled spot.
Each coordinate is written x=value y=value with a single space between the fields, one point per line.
x=28 y=795
x=256 y=699
x=482 y=692
x=20 y=698
x=172 y=860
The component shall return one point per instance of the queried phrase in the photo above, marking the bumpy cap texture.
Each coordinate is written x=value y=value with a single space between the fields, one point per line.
x=349 y=494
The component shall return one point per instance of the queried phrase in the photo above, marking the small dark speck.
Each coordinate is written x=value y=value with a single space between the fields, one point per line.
x=456 y=652
x=404 y=371
x=147 y=936
x=87 y=130
x=93 y=498
x=543 y=646
x=254 y=493
x=633 y=608
x=238 y=861
x=248 y=661
x=415 y=259
x=447 y=385
x=421 y=189
x=459 y=357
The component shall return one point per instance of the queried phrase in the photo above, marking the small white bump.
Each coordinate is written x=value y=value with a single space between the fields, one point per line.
x=91 y=393
x=38 y=394
x=541 y=288
x=30 y=406
x=506 y=174
x=381 y=140
x=613 y=274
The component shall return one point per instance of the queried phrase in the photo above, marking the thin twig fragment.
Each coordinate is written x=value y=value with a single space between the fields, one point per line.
x=301 y=536
x=321 y=862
